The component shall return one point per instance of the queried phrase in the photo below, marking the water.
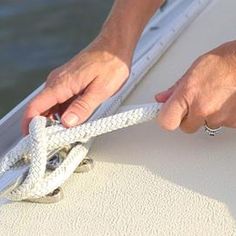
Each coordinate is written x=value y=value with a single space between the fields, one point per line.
x=39 y=35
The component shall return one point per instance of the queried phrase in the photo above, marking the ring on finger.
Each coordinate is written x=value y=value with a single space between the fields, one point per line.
x=212 y=131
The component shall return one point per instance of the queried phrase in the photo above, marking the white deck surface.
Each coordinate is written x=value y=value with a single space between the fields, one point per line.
x=147 y=181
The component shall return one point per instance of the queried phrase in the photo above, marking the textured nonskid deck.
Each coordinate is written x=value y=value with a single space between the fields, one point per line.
x=147 y=181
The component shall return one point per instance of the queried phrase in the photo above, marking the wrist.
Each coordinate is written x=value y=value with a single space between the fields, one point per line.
x=113 y=43
x=123 y=26
x=118 y=40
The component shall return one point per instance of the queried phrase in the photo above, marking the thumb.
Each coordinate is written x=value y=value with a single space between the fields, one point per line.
x=81 y=109
x=173 y=111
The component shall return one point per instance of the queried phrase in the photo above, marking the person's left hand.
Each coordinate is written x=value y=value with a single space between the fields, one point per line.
x=75 y=89
x=205 y=94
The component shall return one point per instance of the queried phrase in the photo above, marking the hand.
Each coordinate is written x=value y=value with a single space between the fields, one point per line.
x=77 y=88
x=206 y=93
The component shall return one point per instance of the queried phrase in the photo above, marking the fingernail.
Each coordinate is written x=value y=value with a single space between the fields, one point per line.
x=71 y=119
x=160 y=95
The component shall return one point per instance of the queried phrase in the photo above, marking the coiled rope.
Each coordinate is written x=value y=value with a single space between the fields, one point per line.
x=42 y=140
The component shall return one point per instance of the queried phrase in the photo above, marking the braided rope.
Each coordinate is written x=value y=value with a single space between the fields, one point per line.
x=42 y=140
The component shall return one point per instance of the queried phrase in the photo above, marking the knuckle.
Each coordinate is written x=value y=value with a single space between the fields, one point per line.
x=187 y=89
x=165 y=124
x=216 y=120
x=205 y=110
x=202 y=111
x=62 y=93
x=82 y=105
x=52 y=75
x=190 y=85
x=208 y=60
x=59 y=88
x=57 y=76
x=211 y=57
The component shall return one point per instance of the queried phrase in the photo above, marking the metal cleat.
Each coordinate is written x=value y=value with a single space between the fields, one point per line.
x=54 y=197
x=85 y=166
x=55 y=158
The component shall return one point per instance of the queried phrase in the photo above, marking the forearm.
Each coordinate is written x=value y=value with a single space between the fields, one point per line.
x=127 y=20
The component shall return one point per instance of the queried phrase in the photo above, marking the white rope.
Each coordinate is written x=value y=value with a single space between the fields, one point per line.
x=42 y=140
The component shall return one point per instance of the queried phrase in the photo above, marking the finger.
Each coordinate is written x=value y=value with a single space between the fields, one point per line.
x=45 y=100
x=217 y=120
x=165 y=95
x=230 y=123
x=82 y=108
x=51 y=112
x=192 y=123
x=66 y=104
x=173 y=111
x=40 y=104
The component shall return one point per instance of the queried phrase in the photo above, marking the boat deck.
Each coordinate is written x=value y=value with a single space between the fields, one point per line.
x=147 y=181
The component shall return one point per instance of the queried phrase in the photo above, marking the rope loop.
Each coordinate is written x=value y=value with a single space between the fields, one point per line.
x=43 y=140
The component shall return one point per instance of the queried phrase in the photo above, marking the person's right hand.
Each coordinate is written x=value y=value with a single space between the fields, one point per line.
x=77 y=88
x=205 y=95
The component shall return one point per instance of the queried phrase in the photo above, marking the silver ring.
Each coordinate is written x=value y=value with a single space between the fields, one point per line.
x=212 y=132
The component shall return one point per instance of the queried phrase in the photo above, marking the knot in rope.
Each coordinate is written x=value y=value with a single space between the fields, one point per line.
x=42 y=140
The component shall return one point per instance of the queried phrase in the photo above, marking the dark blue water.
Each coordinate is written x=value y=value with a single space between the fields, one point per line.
x=39 y=35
